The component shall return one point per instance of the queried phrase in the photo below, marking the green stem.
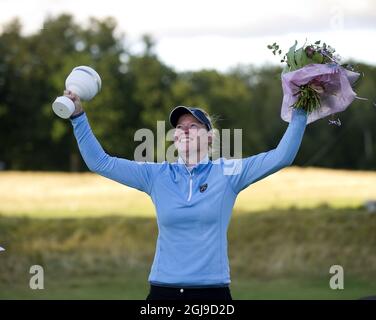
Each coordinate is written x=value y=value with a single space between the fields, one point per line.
x=308 y=100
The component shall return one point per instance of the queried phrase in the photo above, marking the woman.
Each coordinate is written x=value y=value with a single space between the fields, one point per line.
x=193 y=198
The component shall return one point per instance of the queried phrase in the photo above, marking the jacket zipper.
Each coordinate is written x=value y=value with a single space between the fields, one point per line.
x=190 y=183
x=190 y=187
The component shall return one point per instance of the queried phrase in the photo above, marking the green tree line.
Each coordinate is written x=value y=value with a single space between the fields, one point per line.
x=139 y=89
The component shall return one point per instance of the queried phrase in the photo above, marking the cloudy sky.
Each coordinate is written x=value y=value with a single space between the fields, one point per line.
x=219 y=34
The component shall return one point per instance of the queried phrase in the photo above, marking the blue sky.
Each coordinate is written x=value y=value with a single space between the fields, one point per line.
x=196 y=34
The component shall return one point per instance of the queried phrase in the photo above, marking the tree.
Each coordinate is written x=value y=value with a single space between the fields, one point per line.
x=139 y=89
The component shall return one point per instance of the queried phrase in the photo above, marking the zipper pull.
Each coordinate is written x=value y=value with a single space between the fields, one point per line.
x=190 y=187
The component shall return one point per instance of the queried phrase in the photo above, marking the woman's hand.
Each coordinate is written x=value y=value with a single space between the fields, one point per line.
x=76 y=100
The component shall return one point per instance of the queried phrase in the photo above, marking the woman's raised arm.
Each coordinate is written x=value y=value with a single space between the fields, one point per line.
x=257 y=167
x=139 y=175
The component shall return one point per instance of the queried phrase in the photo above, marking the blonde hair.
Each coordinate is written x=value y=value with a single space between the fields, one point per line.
x=214 y=148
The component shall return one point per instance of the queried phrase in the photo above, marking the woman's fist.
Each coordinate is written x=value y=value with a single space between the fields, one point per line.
x=76 y=100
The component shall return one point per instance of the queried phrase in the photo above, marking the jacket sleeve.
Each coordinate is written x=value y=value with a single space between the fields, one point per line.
x=243 y=172
x=134 y=174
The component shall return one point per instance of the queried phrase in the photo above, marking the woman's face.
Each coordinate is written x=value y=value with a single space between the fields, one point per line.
x=191 y=136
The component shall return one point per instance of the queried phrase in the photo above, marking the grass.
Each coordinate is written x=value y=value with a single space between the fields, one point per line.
x=131 y=285
x=37 y=194
x=273 y=255
x=96 y=239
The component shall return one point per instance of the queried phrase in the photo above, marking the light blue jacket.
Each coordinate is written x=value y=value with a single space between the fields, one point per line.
x=193 y=207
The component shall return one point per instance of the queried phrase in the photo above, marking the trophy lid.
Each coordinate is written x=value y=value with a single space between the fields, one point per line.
x=92 y=73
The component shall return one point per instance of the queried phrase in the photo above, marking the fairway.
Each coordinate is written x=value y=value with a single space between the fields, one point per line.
x=89 y=195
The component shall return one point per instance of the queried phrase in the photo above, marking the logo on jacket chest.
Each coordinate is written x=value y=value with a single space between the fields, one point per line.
x=203 y=187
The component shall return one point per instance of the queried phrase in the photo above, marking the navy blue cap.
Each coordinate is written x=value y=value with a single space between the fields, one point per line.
x=196 y=112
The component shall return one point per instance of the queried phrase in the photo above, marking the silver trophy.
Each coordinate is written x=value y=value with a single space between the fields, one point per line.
x=84 y=82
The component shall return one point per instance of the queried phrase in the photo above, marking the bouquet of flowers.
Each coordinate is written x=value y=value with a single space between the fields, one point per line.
x=314 y=80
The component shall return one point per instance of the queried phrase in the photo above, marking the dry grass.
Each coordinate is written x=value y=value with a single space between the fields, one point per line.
x=85 y=194
x=309 y=188
x=68 y=195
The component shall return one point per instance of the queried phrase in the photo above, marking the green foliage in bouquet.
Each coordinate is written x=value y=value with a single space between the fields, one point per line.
x=309 y=94
x=307 y=54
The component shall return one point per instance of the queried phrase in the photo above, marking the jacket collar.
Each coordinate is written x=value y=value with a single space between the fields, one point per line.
x=201 y=164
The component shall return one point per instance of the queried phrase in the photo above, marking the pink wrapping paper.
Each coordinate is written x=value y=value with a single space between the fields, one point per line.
x=337 y=96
